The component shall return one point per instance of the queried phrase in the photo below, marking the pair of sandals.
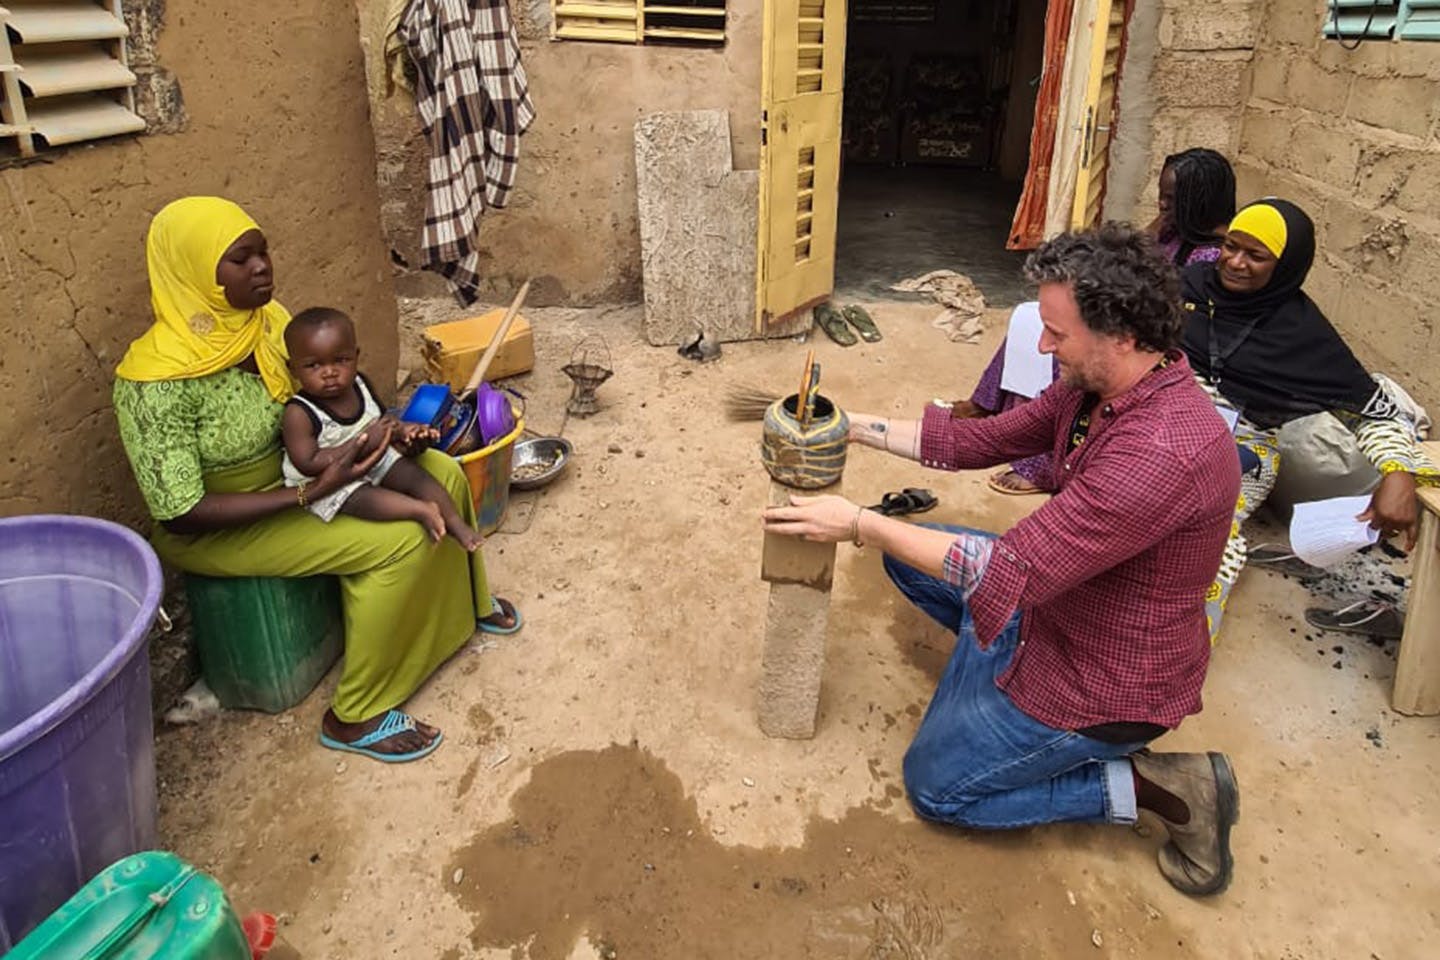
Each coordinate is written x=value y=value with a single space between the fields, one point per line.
x=1365 y=618
x=837 y=324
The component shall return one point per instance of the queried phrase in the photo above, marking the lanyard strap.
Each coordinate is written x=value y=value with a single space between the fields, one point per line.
x=1218 y=356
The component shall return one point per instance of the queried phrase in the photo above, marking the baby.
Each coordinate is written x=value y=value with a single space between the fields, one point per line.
x=335 y=407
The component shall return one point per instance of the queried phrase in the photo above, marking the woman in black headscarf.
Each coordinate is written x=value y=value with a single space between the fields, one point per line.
x=1267 y=355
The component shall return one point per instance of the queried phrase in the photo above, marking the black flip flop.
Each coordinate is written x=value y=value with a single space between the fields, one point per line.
x=908 y=501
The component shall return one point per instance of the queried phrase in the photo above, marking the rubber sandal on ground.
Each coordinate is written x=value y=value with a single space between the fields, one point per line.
x=833 y=323
x=499 y=605
x=908 y=501
x=394 y=723
x=996 y=482
x=858 y=318
x=1365 y=618
x=1278 y=557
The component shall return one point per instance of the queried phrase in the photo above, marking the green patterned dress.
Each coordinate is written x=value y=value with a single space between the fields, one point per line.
x=409 y=603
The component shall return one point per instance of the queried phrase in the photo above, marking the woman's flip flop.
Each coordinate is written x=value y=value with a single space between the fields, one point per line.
x=1366 y=618
x=908 y=501
x=862 y=323
x=395 y=723
x=997 y=483
x=505 y=607
x=830 y=320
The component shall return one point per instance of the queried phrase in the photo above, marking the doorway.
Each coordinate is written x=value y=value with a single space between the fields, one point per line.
x=939 y=103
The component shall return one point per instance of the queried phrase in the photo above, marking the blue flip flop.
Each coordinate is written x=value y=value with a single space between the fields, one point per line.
x=395 y=722
x=495 y=608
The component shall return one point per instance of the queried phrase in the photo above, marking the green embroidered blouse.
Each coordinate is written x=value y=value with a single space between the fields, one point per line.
x=176 y=431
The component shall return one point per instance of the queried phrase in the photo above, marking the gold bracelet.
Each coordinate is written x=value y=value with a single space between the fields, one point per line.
x=300 y=494
x=855 y=527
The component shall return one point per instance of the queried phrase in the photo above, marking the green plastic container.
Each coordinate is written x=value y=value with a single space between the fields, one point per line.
x=148 y=906
x=264 y=642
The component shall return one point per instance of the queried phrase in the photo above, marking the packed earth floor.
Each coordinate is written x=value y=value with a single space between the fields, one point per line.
x=603 y=790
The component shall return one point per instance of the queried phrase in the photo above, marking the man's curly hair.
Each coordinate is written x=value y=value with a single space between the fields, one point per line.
x=1122 y=284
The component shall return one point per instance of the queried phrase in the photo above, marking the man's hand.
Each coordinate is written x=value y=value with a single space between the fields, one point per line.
x=1394 y=508
x=825 y=519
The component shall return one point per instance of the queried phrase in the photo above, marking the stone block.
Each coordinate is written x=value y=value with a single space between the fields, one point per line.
x=793 y=660
x=698 y=226
x=1268 y=73
x=1208 y=26
x=1266 y=135
x=1218 y=129
x=1251 y=179
x=1296 y=22
x=1325 y=153
x=791 y=559
x=1311 y=86
x=1403 y=104
x=1406 y=177
x=1200 y=80
x=1388 y=330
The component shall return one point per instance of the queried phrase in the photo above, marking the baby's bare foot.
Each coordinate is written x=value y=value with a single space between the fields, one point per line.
x=467 y=536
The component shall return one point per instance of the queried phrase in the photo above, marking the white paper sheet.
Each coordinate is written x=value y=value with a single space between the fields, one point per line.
x=1027 y=371
x=1324 y=532
x=1230 y=415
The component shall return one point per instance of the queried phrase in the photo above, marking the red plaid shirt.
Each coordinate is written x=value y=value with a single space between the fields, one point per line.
x=1111 y=574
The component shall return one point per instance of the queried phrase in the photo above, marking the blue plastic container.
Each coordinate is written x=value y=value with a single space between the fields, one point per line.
x=77 y=762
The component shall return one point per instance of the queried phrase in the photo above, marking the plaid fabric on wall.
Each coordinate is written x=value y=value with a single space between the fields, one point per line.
x=474 y=105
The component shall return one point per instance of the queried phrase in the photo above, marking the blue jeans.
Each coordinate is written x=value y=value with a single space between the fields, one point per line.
x=978 y=760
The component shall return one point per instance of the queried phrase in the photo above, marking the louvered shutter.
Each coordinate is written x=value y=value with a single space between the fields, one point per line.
x=636 y=21
x=1419 y=20
x=63 y=73
x=1345 y=19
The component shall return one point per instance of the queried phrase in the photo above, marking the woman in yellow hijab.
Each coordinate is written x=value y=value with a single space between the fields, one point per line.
x=198 y=398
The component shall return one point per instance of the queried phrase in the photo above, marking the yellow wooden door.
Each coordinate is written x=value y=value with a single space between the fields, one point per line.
x=1102 y=85
x=802 y=88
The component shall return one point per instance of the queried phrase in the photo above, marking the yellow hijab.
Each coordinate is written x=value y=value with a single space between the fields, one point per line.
x=196 y=331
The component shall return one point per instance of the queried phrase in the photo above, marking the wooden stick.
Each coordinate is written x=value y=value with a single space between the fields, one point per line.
x=802 y=400
x=494 y=348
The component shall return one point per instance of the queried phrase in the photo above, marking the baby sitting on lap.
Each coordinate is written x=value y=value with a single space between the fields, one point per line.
x=335 y=410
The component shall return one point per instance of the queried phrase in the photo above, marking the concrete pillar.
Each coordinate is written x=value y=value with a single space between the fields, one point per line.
x=800 y=574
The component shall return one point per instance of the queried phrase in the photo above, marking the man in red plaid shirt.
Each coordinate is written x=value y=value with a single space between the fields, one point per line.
x=1081 y=632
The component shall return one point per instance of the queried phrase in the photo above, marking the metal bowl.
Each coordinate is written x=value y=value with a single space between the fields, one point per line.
x=551 y=451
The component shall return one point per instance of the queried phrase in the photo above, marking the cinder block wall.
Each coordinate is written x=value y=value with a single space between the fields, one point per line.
x=1182 y=85
x=1354 y=138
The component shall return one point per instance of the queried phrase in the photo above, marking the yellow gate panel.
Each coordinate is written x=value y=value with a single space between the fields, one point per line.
x=1102 y=88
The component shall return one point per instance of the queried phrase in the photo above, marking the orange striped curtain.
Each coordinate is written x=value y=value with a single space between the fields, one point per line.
x=1028 y=229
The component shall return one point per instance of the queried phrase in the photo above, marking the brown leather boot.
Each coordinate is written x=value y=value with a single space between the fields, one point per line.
x=1197 y=858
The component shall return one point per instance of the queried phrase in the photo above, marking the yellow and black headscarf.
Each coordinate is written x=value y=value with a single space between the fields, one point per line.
x=1272 y=352
x=196 y=331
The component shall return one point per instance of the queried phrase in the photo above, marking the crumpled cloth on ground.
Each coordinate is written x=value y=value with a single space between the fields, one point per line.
x=964 y=303
x=474 y=104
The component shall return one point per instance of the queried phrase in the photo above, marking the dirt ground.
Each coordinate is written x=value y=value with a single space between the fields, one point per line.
x=603 y=790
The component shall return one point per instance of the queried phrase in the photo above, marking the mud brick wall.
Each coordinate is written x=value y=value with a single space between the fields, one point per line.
x=263 y=104
x=573 y=218
x=1183 y=85
x=1354 y=138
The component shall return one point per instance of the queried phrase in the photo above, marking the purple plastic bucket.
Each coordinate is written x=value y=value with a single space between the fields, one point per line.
x=77 y=762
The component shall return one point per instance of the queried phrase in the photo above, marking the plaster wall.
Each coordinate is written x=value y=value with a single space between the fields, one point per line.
x=1182 y=85
x=1353 y=137
x=572 y=222
x=277 y=121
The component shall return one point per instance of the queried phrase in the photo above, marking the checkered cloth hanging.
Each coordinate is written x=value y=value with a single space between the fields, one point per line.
x=474 y=104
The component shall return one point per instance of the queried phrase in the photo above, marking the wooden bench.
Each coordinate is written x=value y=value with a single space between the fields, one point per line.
x=1417 y=672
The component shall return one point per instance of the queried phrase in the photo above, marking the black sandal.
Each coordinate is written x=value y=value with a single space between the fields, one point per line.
x=908 y=501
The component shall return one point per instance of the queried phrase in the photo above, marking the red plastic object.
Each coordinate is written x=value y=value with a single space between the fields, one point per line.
x=260 y=932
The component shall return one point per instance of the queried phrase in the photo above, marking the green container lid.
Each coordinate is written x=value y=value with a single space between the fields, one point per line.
x=149 y=905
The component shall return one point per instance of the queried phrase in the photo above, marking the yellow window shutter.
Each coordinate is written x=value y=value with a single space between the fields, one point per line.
x=1101 y=91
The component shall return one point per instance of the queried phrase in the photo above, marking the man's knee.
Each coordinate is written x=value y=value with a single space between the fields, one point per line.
x=930 y=787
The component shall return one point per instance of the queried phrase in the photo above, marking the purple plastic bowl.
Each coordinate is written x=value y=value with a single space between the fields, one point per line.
x=77 y=762
x=493 y=413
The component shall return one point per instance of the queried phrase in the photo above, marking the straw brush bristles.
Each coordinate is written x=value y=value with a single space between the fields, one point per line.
x=744 y=402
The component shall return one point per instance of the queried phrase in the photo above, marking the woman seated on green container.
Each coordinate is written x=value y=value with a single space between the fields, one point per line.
x=199 y=399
